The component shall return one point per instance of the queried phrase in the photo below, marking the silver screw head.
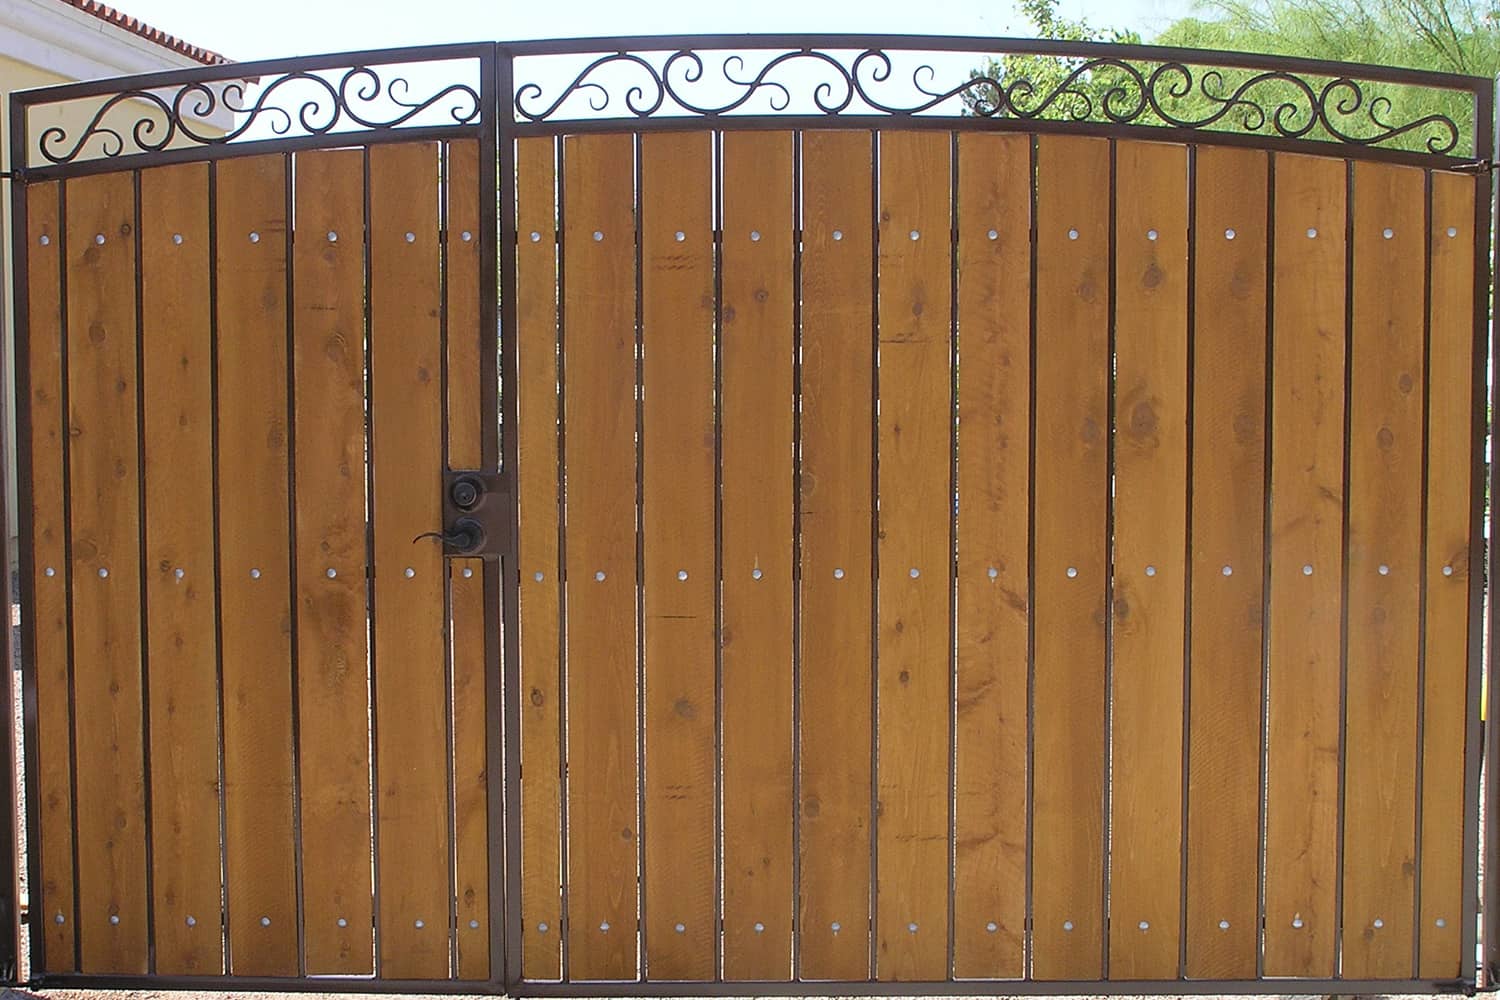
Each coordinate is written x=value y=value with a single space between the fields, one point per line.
x=1230 y=234
x=598 y=236
x=333 y=237
x=838 y=234
x=541 y=928
x=993 y=234
x=409 y=572
x=679 y=236
x=46 y=240
x=1072 y=234
x=177 y=239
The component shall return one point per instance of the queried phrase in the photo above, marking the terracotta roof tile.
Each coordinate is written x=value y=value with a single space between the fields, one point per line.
x=138 y=27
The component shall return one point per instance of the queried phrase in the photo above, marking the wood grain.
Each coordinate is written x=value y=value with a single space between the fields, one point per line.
x=599 y=420
x=52 y=897
x=255 y=565
x=406 y=449
x=104 y=491
x=332 y=633
x=541 y=587
x=1385 y=571
x=1307 y=509
x=916 y=561
x=994 y=520
x=1149 y=587
x=1450 y=422
x=836 y=508
x=467 y=340
x=1228 y=526
x=680 y=591
x=181 y=641
x=1069 y=523
x=757 y=369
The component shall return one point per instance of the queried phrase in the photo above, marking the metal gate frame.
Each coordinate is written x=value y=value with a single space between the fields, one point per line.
x=502 y=119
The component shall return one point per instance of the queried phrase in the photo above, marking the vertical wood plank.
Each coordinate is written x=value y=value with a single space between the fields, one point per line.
x=467 y=340
x=679 y=448
x=53 y=898
x=406 y=451
x=1228 y=518
x=1450 y=415
x=756 y=352
x=599 y=415
x=994 y=404
x=332 y=636
x=836 y=498
x=1307 y=496
x=541 y=710
x=255 y=566
x=1072 y=484
x=916 y=509
x=181 y=641
x=1150 y=530
x=1385 y=570
x=104 y=470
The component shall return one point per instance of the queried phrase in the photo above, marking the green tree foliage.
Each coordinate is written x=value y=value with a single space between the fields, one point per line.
x=1455 y=36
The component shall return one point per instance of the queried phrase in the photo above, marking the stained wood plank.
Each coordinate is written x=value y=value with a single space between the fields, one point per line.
x=104 y=470
x=53 y=898
x=915 y=532
x=994 y=403
x=756 y=351
x=181 y=643
x=406 y=448
x=1450 y=417
x=1150 y=530
x=541 y=588
x=255 y=565
x=680 y=591
x=1069 y=525
x=599 y=415
x=1307 y=477
x=1228 y=525
x=836 y=500
x=467 y=339
x=1385 y=570
x=332 y=562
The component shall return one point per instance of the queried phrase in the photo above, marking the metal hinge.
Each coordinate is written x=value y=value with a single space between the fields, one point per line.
x=1475 y=167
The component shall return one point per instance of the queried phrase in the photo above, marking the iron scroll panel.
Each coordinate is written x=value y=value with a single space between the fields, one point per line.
x=811 y=81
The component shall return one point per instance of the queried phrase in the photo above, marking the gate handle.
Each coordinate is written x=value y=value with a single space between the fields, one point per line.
x=466 y=536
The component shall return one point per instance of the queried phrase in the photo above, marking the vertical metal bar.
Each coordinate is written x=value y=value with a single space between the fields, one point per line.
x=643 y=958
x=445 y=186
x=872 y=925
x=718 y=353
x=796 y=650
x=502 y=581
x=1187 y=561
x=1028 y=945
x=1109 y=571
x=1421 y=692
x=288 y=165
x=1338 y=879
x=140 y=482
x=1265 y=593
x=10 y=859
x=213 y=369
x=370 y=567
x=562 y=564
x=953 y=500
x=1482 y=605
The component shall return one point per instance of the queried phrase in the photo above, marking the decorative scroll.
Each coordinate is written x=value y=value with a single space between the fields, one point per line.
x=1106 y=90
x=296 y=103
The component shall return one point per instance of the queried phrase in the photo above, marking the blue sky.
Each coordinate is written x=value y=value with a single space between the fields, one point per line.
x=272 y=28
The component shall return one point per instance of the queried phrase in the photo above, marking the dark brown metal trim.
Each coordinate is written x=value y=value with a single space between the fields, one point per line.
x=992 y=987
x=1482 y=604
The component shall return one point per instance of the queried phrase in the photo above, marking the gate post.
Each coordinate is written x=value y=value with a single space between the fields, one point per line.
x=10 y=863
x=1487 y=123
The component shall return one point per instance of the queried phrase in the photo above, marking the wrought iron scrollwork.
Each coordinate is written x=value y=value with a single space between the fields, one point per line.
x=1104 y=89
x=293 y=103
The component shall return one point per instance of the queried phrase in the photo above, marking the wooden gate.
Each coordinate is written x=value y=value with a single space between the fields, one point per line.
x=977 y=537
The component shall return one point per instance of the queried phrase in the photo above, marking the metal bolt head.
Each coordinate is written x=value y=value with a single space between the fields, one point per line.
x=1228 y=570
x=177 y=238
x=1144 y=925
x=536 y=237
x=755 y=574
x=755 y=236
x=1388 y=232
x=467 y=236
x=255 y=574
x=838 y=234
x=99 y=239
x=474 y=925
x=411 y=237
x=1297 y=922
x=114 y=918
x=1223 y=925
x=760 y=928
x=682 y=574
x=1378 y=923
x=1440 y=922
x=103 y=573
x=911 y=928
x=333 y=237
x=1452 y=232
x=1067 y=925
x=1307 y=569
x=599 y=576
x=1312 y=233
x=1072 y=572
x=254 y=237
x=419 y=923
x=1383 y=570
x=680 y=928
x=679 y=236
x=598 y=236
x=191 y=921
x=604 y=927
x=835 y=927
x=50 y=571
x=993 y=234
x=991 y=927
x=1072 y=234
x=46 y=240
x=178 y=573
x=1151 y=235
x=1447 y=571
x=915 y=235
x=409 y=572
x=992 y=572
x=1230 y=234
x=265 y=921
x=838 y=574
x=332 y=572
x=468 y=572
x=914 y=572
x=342 y=922
x=59 y=919
x=1150 y=570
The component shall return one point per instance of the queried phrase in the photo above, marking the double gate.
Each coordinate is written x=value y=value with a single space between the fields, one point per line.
x=843 y=524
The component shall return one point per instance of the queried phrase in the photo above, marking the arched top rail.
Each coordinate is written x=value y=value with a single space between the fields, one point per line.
x=761 y=81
